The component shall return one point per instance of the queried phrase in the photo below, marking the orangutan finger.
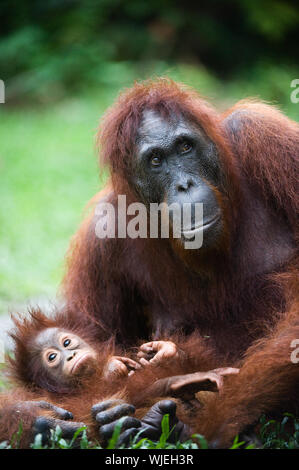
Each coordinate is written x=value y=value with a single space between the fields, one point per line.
x=147 y=347
x=61 y=412
x=108 y=416
x=128 y=422
x=105 y=405
x=128 y=362
x=203 y=381
x=144 y=362
x=226 y=370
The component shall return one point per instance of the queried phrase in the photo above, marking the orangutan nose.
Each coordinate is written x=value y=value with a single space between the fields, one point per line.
x=71 y=357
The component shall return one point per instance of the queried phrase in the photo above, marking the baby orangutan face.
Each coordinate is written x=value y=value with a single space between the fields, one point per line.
x=65 y=355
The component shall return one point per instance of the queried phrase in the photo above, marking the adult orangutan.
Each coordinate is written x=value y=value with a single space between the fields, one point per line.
x=239 y=291
x=163 y=143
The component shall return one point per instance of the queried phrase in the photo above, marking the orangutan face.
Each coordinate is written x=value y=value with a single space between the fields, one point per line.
x=65 y=355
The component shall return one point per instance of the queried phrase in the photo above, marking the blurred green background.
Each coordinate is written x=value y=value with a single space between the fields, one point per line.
x=64 y=61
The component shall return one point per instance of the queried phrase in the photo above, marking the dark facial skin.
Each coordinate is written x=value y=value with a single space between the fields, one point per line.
x=176 y=163
x=65 y=355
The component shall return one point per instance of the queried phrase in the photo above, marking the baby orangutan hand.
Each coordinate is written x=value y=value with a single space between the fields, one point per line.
x=157 y=352
x=119 y=366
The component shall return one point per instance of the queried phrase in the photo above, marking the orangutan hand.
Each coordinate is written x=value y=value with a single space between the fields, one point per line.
x=157 y=352
x=119 y=366
x=187 y=385
x=108 y=413
x=45 y=424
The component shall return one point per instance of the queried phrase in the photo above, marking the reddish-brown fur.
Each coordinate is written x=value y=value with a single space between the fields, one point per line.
x=30 y=382
x=242 y=299
x=29 y=379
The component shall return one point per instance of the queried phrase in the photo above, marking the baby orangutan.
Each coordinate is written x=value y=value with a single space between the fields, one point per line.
x=67 y=360
x=62 y=373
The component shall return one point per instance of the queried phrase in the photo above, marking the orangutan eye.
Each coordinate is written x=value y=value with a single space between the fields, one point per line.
x=185 y=147
x=156 y=161
x=52 y=357
x=66 y=342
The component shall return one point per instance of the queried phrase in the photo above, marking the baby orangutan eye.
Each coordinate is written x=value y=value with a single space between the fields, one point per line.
x=66 y=342
x=52 y=357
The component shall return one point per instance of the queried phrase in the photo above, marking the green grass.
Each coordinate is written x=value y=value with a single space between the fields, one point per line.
x=49 y=172
x=273 y=434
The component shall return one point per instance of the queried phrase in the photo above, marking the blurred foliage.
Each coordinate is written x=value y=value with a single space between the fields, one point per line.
x=280 y=434
x=48 y=173
x=48 y=48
